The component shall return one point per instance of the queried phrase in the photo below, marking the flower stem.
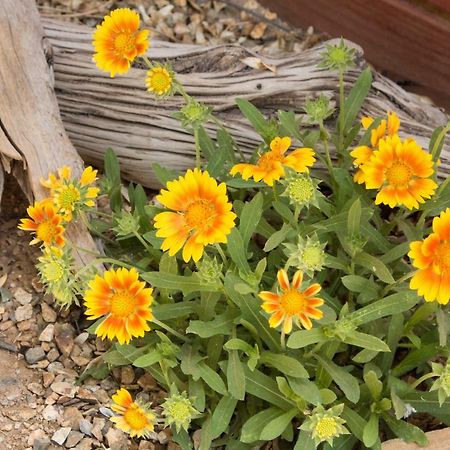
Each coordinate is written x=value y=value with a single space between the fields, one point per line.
x=222 y=254
x=422 y=379
x=142 y=241
x=198 y=161
x=341 y=111
x=170 y=330
x=438 y=141
x=283 y=341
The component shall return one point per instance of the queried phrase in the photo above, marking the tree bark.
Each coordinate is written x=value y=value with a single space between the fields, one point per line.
x=100 y=112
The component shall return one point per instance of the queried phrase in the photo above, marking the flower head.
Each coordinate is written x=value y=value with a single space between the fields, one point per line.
x=318 y=109
x=159 y=80
x=132 y=417
x=193 y=114
x=301 y=190
x=292 y=303
x=118 y=41
x=45 y=222
x=442 y=384
x=401 y=171
x=72 y=195
x=432 y=257
x=209 y=271
x=124 y=300
x=338 y=57
x=363 y=153
x=201 y=214
x=178 y=410
x=308 y=255
x=270 y=165
x=325 y=424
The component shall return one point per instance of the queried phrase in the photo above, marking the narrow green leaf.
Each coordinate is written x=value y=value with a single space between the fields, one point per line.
x=277 y=238
x=163 y=174
x=303 y=338
x=150 y=358
x=374 y=385
x=211 y=378
x=251 y=430
x=370 y=433
x=175 y=283
x=235 y=376
x=355 y=422
x=222 y=416
x=207 y=145
x=354 y=218
x=305 y=441
x=290 y=124
x=206 y=435
x=249 y=218
x=173 y=310
x=237 y=250
x=366 y=341
x=277 y=426
x=405 y=430
x=221 y=324
x=285 y=364
x=306 y=389
x=416 y=357
x=346 y=382
x=259 y=122
x=375 y=265
x=226 y=144
x=356 y=97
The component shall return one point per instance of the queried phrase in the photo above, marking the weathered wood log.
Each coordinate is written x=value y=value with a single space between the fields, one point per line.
x=100 y=112
x=32 y=137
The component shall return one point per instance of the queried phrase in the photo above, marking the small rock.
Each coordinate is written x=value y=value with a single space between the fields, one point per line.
x=97 y=428
x=47 y=379
x=81 y=338
x=41 y=443
x=50 y=413
x=85 y=444
x=48 y=314
x=73 y=439
x=53 y=355
x=127 y=375
x=85 y=427
x=36 y=388
x=60 y=436
x=38 y=435
x=173 y=446
x=116 y=439
x=106 y=411
x=146 y=445
x=71 y=418
x=22 y=296
x=47 y=333
x=64 y=335
x=147 y=382
x=64 y=388
x=163 y=437
x=55 y=367
x=24 y=313
x=34 y=354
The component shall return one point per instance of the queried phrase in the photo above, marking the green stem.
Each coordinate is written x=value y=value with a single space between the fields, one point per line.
x=198 y=161
x=222 y=254
x=423 y=378
x=147 y=61
x=142 y=241
x=438 y=141
x=283 y=340
x=275 y=194
x=397 y=282
x=170 y=330
x=328 y=161
x=341 y=111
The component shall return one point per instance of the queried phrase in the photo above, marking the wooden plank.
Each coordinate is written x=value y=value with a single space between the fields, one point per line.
x=405 y=39
x=438 y=440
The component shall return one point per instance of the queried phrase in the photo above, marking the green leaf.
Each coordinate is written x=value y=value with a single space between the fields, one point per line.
x=366 y=341
x=374 y=384
x=303 y=338
x=356 y=98
x=112 y=174
x=237 y=250
x=305 y=441
x=277 y=426
x=222 y=416
x=251 y=430
x=375 y=265
x=211 y=378
x=388 y=306
x=175 y=283
x=163 y=174
x=346 y=382
x=235 y=376
x=370 y=433
x=259 y=122
x=434 y=143
x=282 y=208
x=428 y=402
x=399 y=405
x=217 y=162
x=285 y=364
x=290 y=124
x=150 y=358
x=355 y=422
x=354 y=218
x=306 y=389
x=226 y=144
x=249 y=218
x=239 y=183
x=182 y=439
x=417 y=357
x=173 y=310
x=357 y=283
x=406 y=431
x=221 y=324
x=277 y=238
x=396 y=253
x=206 y=435
x=364 y=356
x=238 y=344
x=207 y=145
x=115 y=358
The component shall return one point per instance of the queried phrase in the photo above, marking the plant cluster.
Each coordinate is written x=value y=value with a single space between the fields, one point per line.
x=271 y=295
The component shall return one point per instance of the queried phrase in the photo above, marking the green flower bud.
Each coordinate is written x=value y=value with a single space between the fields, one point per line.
x=126 y=224
x=319 y=109
x=442 y=384
x=178 y=410
x=301 y=190
x=307 y=256
x=193 y=114
x=209 y=271
x=338 y=57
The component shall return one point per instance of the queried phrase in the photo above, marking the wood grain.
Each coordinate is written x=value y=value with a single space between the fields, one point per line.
x=100 y=112
x=438 y=440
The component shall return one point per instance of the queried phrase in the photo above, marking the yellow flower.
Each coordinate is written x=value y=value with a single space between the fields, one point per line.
x=401 y=171
x=45 y=223
x=70 y=195
x=269 y=167
x=432 y=257
x=124 y=300
x=202 y=214
x=159 y=81
x=118 y=41
x=363 y=153
x=133 y=418
x=292 y=303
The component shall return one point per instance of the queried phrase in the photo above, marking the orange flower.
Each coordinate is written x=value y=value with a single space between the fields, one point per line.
x=133 y=418
x=269 y=167
x=118 y=41
x=402 y=171
x=203 y=214
x=432 y=257
x=124 y=300
x=45 y=223
x=363 y=153
x=292 y=303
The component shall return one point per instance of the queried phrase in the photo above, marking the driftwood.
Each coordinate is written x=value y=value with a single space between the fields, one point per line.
x=32 y=137
x=100 y=112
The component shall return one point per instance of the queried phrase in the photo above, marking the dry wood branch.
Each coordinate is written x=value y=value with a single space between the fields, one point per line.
x=100 y=112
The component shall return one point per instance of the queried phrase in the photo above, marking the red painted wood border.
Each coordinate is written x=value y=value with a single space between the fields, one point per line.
x=408 y=40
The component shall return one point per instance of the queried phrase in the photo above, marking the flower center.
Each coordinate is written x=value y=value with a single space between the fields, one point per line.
x=46 y=231
x=292 y=302
x=199 y=213
x=442 y=256
x=160 y=81
x=68 y=196
x=122 y=303
x=301 y=190
x=53 y=271
x=399 y=174
x=124 y=43
x=180 y=411
x=326 y=428
x=312 y=257
x=268 y=160
x=135 y=418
